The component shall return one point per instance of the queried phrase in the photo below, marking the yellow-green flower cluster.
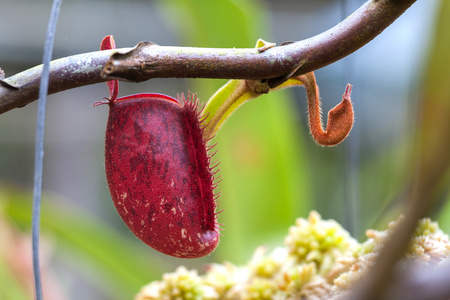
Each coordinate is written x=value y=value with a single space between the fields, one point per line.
x=180 y=285
x=319 y=241
x=319 y=261
x=430 y=243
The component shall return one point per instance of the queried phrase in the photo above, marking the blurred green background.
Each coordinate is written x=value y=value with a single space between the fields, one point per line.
x=272 y=170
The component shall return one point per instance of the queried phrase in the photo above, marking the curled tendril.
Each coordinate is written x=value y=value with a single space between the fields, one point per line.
x=340 y=118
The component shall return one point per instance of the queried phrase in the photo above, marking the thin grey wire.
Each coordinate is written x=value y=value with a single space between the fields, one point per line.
x=39 y=147
x=352 y=148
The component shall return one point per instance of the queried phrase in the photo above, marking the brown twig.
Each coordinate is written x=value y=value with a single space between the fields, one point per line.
x=148 y=60
x=65 y=73
x=151 y=61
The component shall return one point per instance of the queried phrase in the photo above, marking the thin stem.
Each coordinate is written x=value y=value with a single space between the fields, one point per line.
x=39 y=149
x=151 y=61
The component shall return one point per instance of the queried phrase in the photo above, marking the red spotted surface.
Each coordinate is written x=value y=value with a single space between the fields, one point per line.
x=159 y=174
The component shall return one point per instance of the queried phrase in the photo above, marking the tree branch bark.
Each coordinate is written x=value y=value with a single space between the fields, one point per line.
x=148 y=60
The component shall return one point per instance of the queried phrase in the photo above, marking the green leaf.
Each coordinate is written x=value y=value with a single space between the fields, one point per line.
x=10 y=289
x=120 y=265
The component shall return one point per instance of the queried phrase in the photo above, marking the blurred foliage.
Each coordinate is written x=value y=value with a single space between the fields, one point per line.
x=115 y=261
x=10 y=288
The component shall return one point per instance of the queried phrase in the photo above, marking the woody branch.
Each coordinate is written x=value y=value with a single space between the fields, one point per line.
x=148 y=60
